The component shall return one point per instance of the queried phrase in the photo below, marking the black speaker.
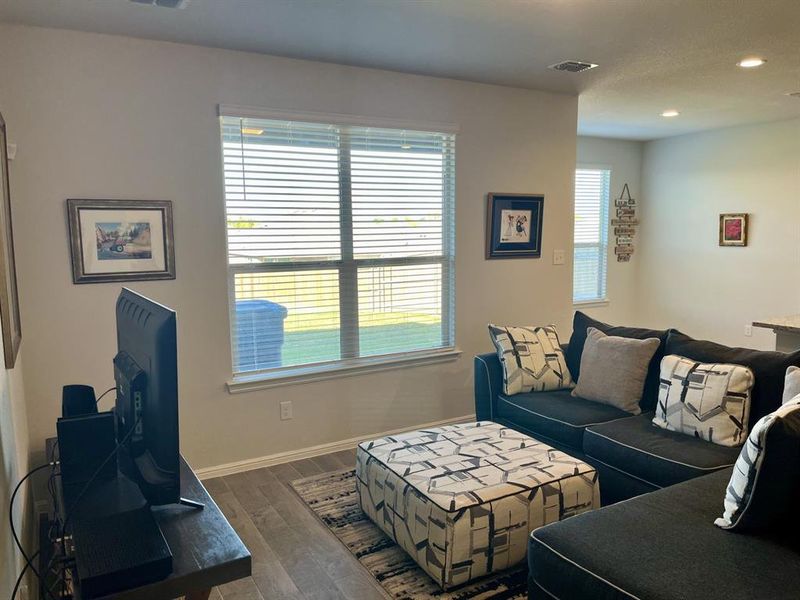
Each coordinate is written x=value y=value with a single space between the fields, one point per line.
x=78 y=400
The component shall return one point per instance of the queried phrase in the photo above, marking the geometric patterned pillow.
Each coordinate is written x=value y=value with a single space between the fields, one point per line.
x=707 y=401
x=532 y=359
x=763 y=489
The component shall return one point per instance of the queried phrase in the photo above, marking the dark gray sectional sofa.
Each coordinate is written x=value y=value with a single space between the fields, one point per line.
x=661 y=490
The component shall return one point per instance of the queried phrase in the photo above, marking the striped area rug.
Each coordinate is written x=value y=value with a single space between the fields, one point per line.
x=333 y=498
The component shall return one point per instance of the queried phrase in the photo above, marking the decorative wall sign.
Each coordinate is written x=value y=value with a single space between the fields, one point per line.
x=733 y=229
x=10 y=321
x=120 y=240
x=514 y=225
x=624 y=225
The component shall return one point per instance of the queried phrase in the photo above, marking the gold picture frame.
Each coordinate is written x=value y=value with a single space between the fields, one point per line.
x=733 y=229
x=10 y=320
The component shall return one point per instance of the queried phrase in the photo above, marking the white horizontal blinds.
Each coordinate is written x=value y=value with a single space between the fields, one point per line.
x=591 y=234
x=281 y=190
x=401 y=201
x=342 y=235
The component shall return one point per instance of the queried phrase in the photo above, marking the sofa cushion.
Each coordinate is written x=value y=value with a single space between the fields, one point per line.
x=708 y=401
x=532 y=359
x=640 y=449
x=555 y=416
x=614 y=369
x=769 y=367
x=764 y=489
x=660 y=546
x=581 y=323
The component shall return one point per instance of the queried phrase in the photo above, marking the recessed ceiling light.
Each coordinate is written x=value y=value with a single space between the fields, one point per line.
x=751 y=62
x=670 y=113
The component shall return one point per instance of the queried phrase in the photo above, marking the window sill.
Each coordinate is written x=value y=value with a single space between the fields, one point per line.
x=292 y=375
x=591 y=303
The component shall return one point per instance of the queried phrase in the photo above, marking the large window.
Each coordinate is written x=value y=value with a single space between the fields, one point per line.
x=340 y=242
x=591 y=235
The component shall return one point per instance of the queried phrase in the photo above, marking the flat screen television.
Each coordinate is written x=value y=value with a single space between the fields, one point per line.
x=146 y=375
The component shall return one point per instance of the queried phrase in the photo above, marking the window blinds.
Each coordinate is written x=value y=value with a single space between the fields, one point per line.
x=340 y=241
x=591 y=234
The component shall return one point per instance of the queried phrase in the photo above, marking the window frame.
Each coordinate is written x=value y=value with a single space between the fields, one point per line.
x=347 y=266
x=603 y=245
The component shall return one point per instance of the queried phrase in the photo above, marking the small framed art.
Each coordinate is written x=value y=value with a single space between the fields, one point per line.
x=733 y=229
x=120 y=240
x=514 y=225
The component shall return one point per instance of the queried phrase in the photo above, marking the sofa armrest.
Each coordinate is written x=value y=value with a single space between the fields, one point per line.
x=488 y=384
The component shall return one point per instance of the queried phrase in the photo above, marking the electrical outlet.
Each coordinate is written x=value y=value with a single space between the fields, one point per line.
x=559 y=257
x=748 y=330
x=286 y=410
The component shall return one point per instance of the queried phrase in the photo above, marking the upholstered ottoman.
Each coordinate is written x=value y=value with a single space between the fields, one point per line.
x=462 y=499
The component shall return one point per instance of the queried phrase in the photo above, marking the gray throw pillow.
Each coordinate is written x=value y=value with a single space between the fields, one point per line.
x=614 y=369
x=791 y=384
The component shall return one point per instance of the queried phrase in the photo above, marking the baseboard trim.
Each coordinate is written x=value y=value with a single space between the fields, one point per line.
x=312 y=451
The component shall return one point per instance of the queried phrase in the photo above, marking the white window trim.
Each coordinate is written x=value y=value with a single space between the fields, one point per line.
x=598 y=302
x=282 y=376
x=277 y=114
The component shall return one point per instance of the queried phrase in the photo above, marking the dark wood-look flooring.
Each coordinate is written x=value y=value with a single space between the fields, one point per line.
x=294 y=555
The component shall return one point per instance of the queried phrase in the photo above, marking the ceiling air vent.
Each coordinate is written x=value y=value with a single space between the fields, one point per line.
x=164 y=3
x=572 y=66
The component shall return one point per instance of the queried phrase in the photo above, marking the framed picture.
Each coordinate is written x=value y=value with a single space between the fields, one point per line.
x=10 y=321
x=733 y=229
x=120 y=240
x=514 y=226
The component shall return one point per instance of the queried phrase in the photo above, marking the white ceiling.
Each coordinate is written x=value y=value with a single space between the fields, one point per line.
x=653 y=54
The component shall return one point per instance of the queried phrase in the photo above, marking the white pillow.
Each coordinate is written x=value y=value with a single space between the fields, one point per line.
x=762 y=489
x=791 y=384
x=707 y=401
x=532 y=359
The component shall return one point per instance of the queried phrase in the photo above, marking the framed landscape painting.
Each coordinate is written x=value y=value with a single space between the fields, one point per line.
x=9 y=296
x=120 y=240
x=733 y=229
x=514 y=226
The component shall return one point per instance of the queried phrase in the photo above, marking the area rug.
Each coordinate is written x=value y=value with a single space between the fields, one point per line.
x=333 y=499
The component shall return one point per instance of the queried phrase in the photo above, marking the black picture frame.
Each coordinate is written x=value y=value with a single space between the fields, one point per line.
x=10 y=320
x=157 y=215
x=514 y=225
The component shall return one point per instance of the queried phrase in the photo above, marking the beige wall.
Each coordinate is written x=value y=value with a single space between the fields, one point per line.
x=685 y=279
x=14 y=450
x=110 y=117
x=624 y=158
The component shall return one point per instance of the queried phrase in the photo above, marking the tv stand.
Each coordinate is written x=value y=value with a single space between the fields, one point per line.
x=195 y=570
x=191 y=504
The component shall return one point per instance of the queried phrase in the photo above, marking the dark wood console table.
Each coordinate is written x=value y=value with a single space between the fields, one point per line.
x=206 y=551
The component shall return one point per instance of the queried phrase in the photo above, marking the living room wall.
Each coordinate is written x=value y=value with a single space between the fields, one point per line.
x=97 y=116
x=624 y=159
x=685 y=279
x=14 y=450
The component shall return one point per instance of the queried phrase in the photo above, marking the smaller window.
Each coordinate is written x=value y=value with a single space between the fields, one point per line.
x=591 y=235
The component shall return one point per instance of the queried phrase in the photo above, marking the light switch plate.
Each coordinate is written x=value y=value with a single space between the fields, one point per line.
x=559 y=257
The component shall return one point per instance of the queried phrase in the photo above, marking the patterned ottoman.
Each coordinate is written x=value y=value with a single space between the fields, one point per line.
x=462 y=499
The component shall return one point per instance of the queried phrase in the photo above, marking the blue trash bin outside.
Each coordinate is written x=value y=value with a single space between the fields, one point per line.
x=259 y=334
